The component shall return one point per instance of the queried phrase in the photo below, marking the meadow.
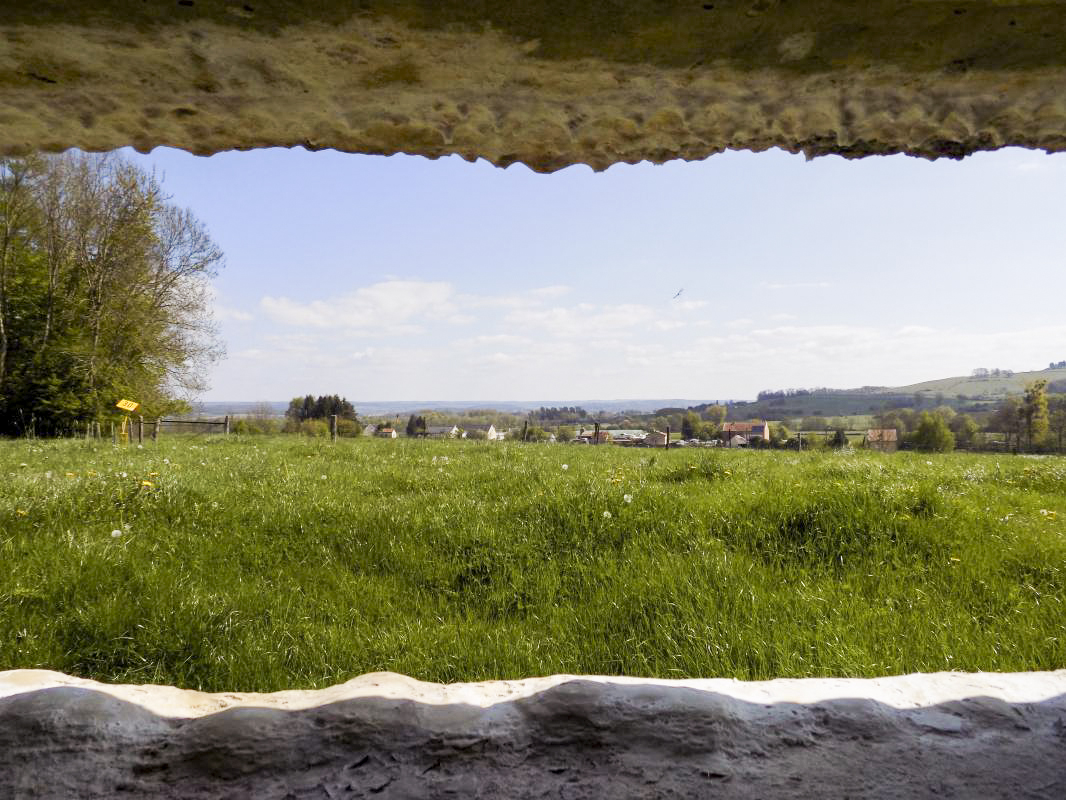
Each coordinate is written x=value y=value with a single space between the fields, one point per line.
x=257 y=563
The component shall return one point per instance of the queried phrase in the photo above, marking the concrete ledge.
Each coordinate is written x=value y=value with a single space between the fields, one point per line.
x=386 y=735
x=520 y=82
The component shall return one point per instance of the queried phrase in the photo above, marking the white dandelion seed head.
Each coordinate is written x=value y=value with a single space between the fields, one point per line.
x=606 y=514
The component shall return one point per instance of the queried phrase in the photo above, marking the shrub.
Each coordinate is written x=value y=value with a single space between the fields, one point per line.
x=932 y=434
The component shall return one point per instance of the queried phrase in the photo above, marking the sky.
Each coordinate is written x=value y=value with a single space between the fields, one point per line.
x=402 y=278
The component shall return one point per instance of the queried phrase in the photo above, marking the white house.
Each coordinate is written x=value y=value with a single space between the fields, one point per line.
x=491 y=434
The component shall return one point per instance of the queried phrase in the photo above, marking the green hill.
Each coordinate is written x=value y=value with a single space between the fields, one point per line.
x=990 y=387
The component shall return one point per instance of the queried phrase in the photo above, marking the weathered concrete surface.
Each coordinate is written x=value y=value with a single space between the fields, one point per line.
x=544 y=82
x=385 y=735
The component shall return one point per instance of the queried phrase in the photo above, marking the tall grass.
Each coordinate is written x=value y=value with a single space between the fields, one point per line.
x=268 y=563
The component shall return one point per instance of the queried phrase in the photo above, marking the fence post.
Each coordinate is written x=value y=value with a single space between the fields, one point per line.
x=596 y=434
x=333 y=427
x=140 y=429
x=525 y=426
x=227 y=425
x=667 y=445
x=155 y=430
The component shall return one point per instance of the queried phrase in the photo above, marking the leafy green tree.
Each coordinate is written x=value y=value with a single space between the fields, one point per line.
x=964 y=428
x=104 y=293
x=1007 y=419
x=564 y=433
x=715 y=415
x=1057 y=417
x=932 y=434
x=1034 y=412
x=779 y=434
x=690 y=424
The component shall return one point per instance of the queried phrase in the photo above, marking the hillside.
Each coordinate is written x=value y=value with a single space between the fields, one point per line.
x=990 y=387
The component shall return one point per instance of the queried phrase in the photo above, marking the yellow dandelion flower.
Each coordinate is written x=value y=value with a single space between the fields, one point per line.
x=21 y=512
x=147 y=484
x=153 y=474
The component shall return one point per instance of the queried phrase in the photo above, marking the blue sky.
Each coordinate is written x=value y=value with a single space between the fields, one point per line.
x=404 y=278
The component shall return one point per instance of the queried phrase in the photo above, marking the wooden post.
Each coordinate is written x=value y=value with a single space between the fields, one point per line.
x=333 y=427
x=667 y=444
x=596 y=434
x=155 y=430
x=140 y=429
x=227 y=425
x=525 y=427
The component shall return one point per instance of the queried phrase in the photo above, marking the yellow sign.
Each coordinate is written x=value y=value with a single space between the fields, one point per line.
x=127 y=405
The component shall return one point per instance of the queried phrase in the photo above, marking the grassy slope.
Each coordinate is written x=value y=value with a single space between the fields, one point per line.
x=262 y=564
x=974 y=387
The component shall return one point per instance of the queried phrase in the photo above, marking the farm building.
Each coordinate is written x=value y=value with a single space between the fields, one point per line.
x=592 y=437
x=386 y=433
x=370 y=430
x=442 y=432
x=883 y=439
x=745 y=430
x=655 y=439
x=626 y=435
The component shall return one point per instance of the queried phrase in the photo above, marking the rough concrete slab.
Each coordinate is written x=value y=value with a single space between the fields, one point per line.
x=540 y=82
x=386 y=735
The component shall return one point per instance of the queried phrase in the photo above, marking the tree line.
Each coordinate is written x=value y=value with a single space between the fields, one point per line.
x=104 y=293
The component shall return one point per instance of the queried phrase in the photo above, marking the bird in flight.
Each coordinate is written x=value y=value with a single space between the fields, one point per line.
x=679 y=291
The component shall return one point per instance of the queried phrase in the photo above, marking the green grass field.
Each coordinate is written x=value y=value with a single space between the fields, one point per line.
x=269 y=563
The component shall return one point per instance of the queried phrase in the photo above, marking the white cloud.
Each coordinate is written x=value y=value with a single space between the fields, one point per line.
x=226 y=314
x=394 y=307
x=222 y=312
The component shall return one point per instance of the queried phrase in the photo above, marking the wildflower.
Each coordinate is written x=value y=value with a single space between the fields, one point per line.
x=929 y=463
x=123 y=474
x=606 y=514
x=116 y=533
x=727 y=472
x=956 y=560
x=21 y=512
x=323 y=477
x=566 y=467
x=166 y=460
x=627 y=498
x=72 y=474
x=153 y=474
x=147 y=484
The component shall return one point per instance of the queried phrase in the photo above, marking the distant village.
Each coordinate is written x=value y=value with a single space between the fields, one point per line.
x=732 y=434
